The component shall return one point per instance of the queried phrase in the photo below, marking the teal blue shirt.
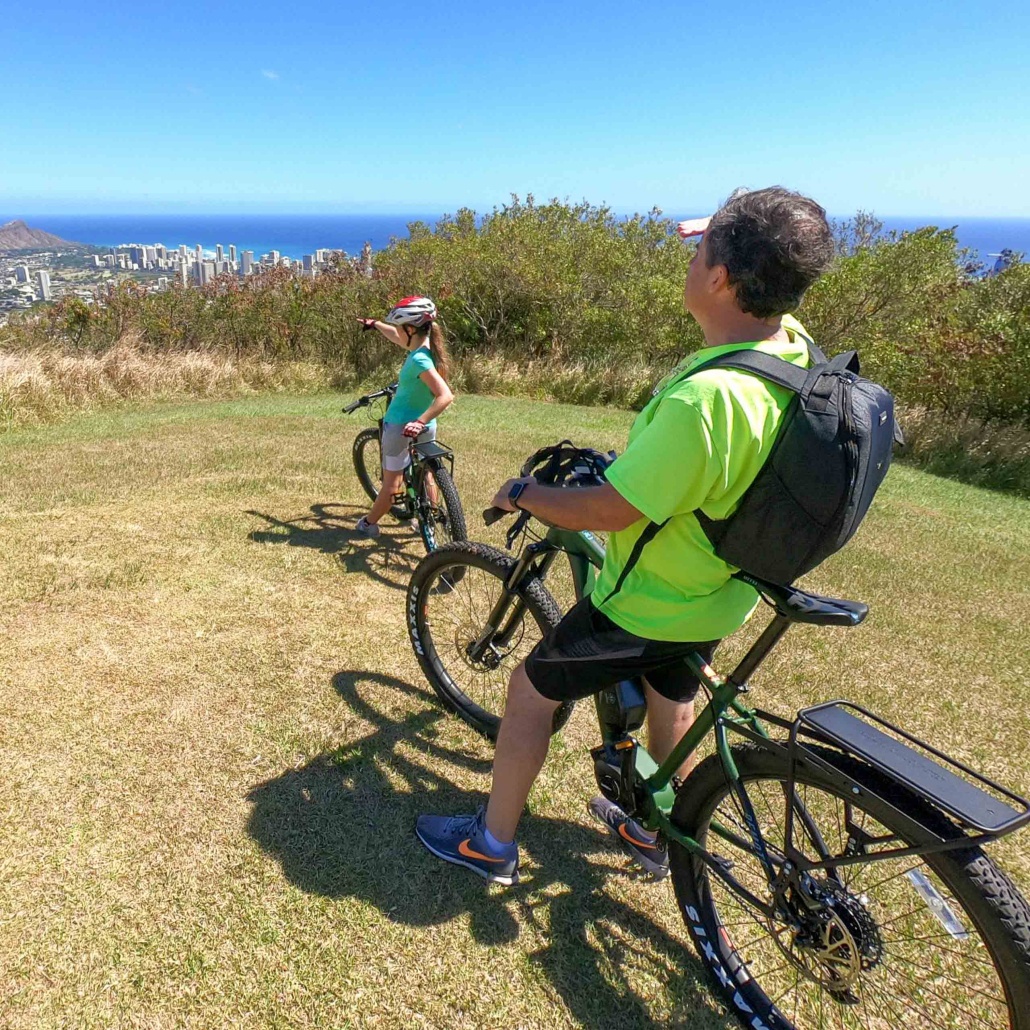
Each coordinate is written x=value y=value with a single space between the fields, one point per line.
x=413 y=397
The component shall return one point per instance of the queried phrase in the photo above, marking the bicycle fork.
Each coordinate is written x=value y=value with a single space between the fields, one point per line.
x=509 y=610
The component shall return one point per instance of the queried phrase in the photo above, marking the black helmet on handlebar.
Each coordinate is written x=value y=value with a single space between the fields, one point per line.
x=565 y=464
x=562 y=464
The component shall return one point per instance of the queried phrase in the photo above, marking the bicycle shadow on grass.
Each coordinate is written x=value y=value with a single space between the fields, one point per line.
x=331 y=529
x=343 y=826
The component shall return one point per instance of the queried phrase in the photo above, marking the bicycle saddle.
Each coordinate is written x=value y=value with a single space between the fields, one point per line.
x=799 y=606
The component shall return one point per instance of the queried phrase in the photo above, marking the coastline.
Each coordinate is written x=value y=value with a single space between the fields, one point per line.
x=296 y=235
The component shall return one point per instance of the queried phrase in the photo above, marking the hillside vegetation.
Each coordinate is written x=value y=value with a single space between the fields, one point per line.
x=573 y=303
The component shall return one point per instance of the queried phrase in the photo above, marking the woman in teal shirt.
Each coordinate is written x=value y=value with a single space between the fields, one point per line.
x=422 y=393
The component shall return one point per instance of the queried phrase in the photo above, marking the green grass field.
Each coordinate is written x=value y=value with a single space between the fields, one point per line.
x=214 y=738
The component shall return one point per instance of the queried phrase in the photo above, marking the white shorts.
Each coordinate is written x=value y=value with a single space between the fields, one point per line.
x=396 y=457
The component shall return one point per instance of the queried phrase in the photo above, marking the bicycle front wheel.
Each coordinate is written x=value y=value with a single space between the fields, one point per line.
x=441 y=519
x=941 y=941
x=368 y=465
x=451 y=595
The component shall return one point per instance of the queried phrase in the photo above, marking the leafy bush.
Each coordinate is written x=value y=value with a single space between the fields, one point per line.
x=570 y=301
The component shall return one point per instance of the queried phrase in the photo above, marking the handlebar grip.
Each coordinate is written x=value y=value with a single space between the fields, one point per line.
x=351 y=408
x=492 y=515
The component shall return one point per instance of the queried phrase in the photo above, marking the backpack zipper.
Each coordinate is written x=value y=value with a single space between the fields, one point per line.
x=851 y=444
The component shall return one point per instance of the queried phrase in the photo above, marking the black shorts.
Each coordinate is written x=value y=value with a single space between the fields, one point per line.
x=587 y=652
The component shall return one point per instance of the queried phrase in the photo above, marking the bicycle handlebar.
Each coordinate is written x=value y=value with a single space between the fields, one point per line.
x=492 y=515
x=364 y=402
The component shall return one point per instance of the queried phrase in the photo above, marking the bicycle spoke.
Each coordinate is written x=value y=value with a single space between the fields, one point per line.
x=953 y=979
x=923 y=986
x=940 y=950
x=893 y=876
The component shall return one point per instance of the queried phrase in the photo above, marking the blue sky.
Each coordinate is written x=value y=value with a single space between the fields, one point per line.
x=899 y=107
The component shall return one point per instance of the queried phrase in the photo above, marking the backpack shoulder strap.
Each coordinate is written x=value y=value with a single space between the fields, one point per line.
x=768 y=366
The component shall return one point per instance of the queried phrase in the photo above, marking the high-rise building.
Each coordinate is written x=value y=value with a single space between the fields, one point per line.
x=232 y=252
x=198 y=254
x=150 y=255
x=21 y=273
x=247 y=262
x=219 y=255
x=274 y=256
x=183 y=251
x=309 y=262
x=44 y=285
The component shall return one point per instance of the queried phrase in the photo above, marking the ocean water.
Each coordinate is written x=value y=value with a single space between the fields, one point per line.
x=985 y=236
x=291 y=235
x=296 y=235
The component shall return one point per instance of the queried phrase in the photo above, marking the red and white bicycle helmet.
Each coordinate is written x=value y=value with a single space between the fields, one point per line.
x=413 y=311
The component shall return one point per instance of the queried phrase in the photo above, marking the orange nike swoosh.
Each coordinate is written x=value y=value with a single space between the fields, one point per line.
x=464 y=849
x=633 y=840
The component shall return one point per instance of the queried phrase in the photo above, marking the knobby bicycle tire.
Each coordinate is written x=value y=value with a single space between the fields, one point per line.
x=947 y=978
x=430 y=525
x=368 y=466
x=450 y=596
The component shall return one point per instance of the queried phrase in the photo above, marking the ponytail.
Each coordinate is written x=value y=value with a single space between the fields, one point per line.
x=438 y=348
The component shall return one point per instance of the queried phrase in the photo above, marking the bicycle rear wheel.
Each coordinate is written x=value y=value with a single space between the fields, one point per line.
x=451 y=595
x=440 y=521
x=368 y=465
x=941 y=941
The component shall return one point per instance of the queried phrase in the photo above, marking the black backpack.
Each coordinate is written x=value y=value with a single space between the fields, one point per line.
x=832 y=450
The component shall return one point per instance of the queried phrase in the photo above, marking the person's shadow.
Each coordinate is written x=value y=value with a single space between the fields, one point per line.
x=331 y=529
x=340 y=827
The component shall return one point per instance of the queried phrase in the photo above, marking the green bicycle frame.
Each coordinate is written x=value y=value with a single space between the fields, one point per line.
x=586 y=554
x=649 y=786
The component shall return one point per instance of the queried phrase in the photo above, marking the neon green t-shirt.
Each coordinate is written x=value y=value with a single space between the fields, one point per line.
x=699 y=443
x=413 y=397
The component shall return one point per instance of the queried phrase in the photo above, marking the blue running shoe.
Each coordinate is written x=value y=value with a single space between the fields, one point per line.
x=459 y=839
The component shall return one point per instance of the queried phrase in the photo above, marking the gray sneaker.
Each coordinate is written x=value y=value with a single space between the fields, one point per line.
x=368 y=528
x=643 y=847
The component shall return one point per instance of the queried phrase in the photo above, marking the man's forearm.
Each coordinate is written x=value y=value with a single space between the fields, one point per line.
x=576 y=508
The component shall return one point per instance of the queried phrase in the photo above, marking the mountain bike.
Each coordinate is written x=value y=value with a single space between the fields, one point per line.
x=430 y=496
x=829 y=868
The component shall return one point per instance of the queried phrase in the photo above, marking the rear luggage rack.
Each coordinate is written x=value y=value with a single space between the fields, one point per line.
x=835 y=722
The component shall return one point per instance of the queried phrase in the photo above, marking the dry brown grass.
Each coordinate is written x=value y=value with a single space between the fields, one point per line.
x=569 y=382
x=215 y=740
x=994 y=455
x=46 y=385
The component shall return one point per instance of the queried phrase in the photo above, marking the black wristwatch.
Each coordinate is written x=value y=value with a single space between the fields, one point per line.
x=515 y=493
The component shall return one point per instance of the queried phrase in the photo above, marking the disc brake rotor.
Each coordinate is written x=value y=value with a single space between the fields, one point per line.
x=837 y=941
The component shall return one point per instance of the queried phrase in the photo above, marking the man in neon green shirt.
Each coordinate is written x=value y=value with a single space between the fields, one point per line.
x=662 y=593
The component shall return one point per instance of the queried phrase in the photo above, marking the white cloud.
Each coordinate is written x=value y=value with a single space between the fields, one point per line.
x=269 y=74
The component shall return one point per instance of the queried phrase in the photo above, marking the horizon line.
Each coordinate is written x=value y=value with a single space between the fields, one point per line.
x=440 y=212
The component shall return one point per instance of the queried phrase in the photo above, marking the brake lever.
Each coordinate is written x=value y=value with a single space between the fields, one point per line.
x=517 y=527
